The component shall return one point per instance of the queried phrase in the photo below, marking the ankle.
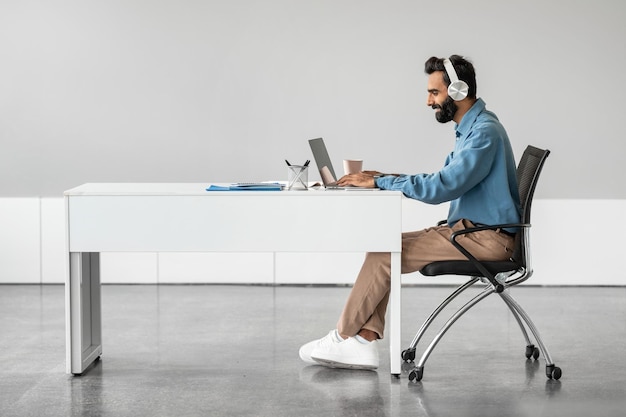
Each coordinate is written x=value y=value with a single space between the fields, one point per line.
x=368 y=335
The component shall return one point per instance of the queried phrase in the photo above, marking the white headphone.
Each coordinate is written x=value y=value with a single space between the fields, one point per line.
x=457 y=89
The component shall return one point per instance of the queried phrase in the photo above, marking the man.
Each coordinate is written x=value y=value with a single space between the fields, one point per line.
x=478 y=179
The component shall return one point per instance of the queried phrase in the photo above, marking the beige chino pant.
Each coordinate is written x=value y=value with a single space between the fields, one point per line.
x=367 y=303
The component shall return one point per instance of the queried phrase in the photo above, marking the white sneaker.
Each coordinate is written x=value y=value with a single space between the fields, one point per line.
x=351 y=353
x=332 y=338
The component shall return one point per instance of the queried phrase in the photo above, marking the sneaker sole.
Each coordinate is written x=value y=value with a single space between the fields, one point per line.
x=335 y=364
x=308 y=361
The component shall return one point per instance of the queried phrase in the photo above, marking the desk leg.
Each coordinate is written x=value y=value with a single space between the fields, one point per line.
x=395 y=327
x=83 y=323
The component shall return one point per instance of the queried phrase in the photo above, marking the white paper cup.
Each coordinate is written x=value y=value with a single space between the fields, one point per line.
x=352 y=166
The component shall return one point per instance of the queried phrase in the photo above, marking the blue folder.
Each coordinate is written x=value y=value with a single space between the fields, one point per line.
x=246 y=187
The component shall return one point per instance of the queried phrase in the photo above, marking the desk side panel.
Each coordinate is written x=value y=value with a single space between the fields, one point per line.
x=239 y=222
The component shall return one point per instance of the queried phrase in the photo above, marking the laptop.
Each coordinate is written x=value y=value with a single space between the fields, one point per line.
x=325 y=167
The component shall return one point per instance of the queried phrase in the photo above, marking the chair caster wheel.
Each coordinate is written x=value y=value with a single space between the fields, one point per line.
x=533 y=351
x=408 y=355
x=553 y=372
x=416 y=374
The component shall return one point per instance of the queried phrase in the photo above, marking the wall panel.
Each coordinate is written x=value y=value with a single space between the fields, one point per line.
x=574 y=242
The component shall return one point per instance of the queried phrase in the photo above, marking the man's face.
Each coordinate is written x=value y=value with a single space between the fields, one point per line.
x=445 y=108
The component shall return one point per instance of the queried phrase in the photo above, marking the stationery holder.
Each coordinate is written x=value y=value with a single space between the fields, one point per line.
x=297 y=177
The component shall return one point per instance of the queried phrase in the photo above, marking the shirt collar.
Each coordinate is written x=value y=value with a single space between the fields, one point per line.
x=469 y=118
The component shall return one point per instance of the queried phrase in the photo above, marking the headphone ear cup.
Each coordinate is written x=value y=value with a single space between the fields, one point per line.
x=458 y=90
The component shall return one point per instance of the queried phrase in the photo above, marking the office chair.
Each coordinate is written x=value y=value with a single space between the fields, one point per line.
x=497 y=276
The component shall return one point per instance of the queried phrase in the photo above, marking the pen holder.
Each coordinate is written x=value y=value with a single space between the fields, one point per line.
x=297 y=177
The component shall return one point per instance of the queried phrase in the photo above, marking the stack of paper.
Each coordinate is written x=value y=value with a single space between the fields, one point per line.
x=247 y=186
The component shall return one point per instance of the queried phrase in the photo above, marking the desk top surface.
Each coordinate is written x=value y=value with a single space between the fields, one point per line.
x=196 y=189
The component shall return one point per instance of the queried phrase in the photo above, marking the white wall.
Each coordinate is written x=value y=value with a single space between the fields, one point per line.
x=571 y=245
x=215 y=90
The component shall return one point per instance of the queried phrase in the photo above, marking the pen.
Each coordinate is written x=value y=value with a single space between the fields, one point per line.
x=288 y=164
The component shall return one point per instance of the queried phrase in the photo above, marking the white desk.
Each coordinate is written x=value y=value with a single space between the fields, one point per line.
x=186 y=218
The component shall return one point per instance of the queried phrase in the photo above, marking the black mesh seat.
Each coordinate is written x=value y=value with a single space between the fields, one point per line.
x=467 y=268
x=497 y=276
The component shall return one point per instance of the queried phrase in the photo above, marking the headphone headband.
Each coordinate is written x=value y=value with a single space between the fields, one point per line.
x=457 y=89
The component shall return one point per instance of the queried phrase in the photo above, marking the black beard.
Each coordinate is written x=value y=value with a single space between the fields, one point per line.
x=447 y=110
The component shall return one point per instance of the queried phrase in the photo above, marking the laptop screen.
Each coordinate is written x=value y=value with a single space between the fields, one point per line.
x=320 y=154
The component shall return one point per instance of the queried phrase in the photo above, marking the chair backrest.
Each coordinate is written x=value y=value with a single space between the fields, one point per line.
x=528 y=171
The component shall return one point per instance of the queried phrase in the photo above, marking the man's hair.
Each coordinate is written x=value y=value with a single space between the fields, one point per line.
x=464 y=70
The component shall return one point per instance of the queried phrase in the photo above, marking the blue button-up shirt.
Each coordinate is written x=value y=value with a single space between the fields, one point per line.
x=478 y=177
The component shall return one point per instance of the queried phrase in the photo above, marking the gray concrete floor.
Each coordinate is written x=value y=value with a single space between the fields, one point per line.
x=233 y=351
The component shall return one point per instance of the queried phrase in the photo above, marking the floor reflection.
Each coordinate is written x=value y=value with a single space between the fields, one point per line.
x=353 y=392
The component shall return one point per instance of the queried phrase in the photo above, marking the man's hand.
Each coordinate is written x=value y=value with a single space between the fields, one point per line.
x=361 y=179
